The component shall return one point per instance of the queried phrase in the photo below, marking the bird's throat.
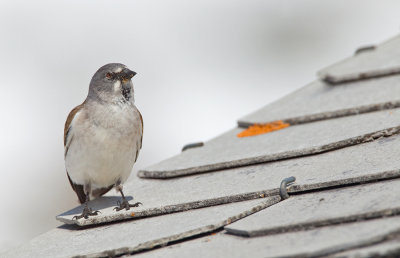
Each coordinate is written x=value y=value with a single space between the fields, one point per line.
x=126 y=92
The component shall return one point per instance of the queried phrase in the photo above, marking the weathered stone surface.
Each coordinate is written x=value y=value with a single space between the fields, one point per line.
x=319 y=100
x=381 y=61
x=359 y=163
x=324 y=208
x=385 y=249
x=136 y=235
x=317 y=242
x=227 y=150
x=108 y=214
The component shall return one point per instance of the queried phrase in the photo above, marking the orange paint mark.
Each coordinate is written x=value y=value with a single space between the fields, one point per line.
x=132 y=214
x=257 y=129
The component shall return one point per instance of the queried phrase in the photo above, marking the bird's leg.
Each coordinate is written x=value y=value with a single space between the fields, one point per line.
x=86 y=211
x=125 y=204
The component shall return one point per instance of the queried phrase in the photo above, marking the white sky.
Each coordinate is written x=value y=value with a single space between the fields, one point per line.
x=201 y=65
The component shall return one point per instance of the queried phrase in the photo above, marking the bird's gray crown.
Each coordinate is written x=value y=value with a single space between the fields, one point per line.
x=112 y=83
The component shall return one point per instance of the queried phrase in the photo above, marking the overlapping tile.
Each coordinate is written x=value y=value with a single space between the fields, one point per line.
x=120 y=238
x=318 y=242
x=389 y=248
x=105 y=205
x=359 y=163
x=319 y=101
x=324 y=208
x=227 y=150
x=382 y=60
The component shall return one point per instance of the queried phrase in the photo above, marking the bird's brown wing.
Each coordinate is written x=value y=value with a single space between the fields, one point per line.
x=141 y=120
x=141 y=138
x=67 y=142
x=67 y=126
x=78 y=190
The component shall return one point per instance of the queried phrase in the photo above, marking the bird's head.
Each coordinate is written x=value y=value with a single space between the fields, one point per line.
x=112 y=83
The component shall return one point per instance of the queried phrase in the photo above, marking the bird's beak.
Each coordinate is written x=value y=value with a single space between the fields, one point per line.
x=126 y=74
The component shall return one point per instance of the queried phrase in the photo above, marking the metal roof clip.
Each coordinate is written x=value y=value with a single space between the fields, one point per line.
x=285 y=182
x=192 y=145
x=364 y=49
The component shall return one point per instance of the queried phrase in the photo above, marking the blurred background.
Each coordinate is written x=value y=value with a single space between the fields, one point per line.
x=201 y=65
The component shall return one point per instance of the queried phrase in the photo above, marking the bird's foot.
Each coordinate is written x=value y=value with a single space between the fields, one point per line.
x=126 y=205
x=86 y=213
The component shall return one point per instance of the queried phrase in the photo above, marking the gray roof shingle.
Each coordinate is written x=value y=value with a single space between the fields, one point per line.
x=318 y=242
x=319 y=100
x=389 y=248
x=136 y=235
x=227 y=150
x=323 y=208
x=383 y=60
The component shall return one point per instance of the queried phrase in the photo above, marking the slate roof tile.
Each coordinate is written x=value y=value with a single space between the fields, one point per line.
x=319 y=100
x=227 y=150
x=383 y=60
x=390 y=248
x=318 y=242
x=323 y=208
x=136 y=235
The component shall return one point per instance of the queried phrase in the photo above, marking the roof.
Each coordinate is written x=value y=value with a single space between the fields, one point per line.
x=228 y=197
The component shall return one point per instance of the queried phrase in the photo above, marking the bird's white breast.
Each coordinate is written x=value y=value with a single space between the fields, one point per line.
x=104 y=144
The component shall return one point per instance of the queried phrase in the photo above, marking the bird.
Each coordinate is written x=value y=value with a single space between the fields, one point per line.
x=103 y=137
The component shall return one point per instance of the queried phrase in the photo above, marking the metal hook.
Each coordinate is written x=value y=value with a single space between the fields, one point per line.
x=364 y=49
x=192 y=145
x=285 y=182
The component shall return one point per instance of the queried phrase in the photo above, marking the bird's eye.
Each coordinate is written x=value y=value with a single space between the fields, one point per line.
x=109 y=75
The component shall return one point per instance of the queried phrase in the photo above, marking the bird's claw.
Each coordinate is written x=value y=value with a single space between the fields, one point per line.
x=126 y=205
x=86 y=213
x=136 y=204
